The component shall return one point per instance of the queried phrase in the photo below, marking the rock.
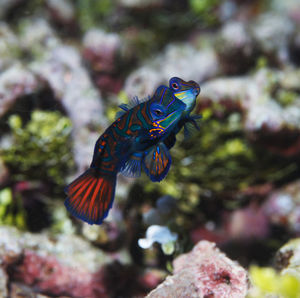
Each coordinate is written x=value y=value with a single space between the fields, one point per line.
x=286 y=8
x=62 y=69
x=265 y=110
x=174 y=61
x=247 y=224
x=109 y=236
x=152 y=278
x=101 y=49
x=62 y=11
x=3 y=283
x=269 y=102
x=4 y=173
x=66 y=249
x=9 y=46
x=66 y=265
x=282 y=207
x=62 y=265
x=294 y=48
x=7 y=5
x=37 y=37
x=204 y=272
x=235 y=43
x=142 y=4
x=18 y=290
x=272 y=33
x=48 y=275
x=15 y=82
x=103 y=53
x=288 y=258
x=239 y=226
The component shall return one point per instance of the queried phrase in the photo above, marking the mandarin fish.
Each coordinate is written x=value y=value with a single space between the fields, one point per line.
x=141 y=126
x=156 y=160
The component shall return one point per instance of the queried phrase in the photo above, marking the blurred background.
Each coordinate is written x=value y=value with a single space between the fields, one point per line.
x=66 y=65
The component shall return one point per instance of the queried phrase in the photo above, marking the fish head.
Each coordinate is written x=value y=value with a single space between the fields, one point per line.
x=165 y=110
x=185 y=91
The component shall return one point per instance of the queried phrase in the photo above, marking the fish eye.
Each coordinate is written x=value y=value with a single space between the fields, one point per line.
x=158 y=112
x=174 y=86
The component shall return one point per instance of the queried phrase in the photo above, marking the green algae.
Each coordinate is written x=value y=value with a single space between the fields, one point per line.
x=205 y=9
x=266 y=281
x=61 y=223
x=286 y=97
x=11 y=210
x=261 y=63
x=40 y=148
x=89 y=12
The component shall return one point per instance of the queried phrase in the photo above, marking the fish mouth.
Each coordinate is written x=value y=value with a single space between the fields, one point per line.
x=196 y=91
x=196 y=88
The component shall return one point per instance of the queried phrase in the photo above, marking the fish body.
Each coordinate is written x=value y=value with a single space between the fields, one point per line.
x=120 y=148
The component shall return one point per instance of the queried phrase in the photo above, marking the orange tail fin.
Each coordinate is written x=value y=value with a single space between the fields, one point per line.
x=91 y=196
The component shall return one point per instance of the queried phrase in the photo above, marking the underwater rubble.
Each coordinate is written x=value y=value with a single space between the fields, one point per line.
x=63 y=265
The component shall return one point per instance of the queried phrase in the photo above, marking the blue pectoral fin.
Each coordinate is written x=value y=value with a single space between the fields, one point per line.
x=157 y=162
x=192 y=125
x=132 y=167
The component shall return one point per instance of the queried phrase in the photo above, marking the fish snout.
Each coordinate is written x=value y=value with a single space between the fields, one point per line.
x=196 y=87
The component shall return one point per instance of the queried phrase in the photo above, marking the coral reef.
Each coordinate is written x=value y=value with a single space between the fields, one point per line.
x=63 y=265
x=176 y=61
x=66 y=65
x=59 y=67
x=15 y=82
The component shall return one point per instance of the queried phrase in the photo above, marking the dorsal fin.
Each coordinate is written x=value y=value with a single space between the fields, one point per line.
x=132 y=103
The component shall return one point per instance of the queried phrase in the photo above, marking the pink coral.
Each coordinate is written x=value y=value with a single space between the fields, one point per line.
x=47 y=275
x=204 y=272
